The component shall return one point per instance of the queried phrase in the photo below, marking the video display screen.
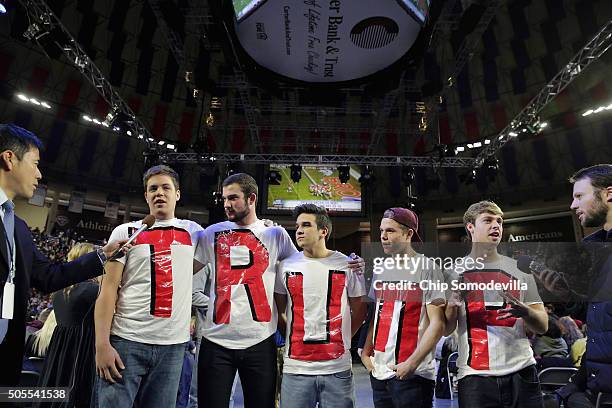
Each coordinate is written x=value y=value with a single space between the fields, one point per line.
x=418 y=8
x=242 y=8
x=318 y=185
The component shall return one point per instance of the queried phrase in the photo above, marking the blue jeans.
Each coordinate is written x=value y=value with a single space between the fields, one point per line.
x=414 y=391
x=193 y=390
x=150 y=379
x=330 y=390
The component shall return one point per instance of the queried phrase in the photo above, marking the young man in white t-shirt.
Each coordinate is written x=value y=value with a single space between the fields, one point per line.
x=496 y=363
x=407 y=322
x=142 y=314
x=320 y=301
x=239 y=329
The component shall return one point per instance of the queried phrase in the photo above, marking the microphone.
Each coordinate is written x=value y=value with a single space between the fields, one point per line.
x=532 y=267
x=147 y=223
x=523 y=262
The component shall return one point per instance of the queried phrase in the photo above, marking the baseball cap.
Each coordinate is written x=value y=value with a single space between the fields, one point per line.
x=405 y=217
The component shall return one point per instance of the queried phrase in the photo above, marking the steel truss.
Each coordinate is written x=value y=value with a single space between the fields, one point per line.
x=592 y=51
x=466 y=52
x=384 y=113
x=44 y=20
x=414 y=161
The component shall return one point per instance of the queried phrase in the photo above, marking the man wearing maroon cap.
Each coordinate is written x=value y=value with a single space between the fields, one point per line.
x=408 y=319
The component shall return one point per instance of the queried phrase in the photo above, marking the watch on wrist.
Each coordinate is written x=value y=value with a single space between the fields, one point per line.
x=101 y=255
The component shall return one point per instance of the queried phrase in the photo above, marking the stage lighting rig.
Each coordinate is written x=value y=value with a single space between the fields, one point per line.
x=232 y=168
x=469 y=178
x=366 y=176
x=344 y=174
x=411 y=203
x=274 y=178
x=491 y=167
x=408 y=175
x=151 y=158
x=296 y=173
x=491 y=164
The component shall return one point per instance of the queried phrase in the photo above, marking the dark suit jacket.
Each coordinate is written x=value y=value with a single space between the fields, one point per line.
x=33 y=269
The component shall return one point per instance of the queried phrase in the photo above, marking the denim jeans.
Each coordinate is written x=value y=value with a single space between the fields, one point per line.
x=330 y=390
x=517 y=390
x=414 y=391
x=193 y=390
x=150 y=379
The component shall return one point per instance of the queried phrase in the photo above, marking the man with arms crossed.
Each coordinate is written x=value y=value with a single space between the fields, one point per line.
x=406 y=324
x=496 y=363
x=241 y=321
x=322 y=299
x=143 y=312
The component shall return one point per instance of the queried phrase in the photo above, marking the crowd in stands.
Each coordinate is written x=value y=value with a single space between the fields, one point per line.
x=562 y=345
x=55 y=248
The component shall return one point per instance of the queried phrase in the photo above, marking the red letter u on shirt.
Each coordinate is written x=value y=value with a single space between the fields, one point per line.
x=316 y=350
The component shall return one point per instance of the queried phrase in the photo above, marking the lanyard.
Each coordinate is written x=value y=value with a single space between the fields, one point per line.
x=11 y=253
x=11 y=275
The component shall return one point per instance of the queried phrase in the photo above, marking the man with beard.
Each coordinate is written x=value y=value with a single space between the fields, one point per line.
x=239 y=329
x=592 y=202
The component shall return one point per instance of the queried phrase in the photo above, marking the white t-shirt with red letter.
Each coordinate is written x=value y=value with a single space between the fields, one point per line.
x=242 y=262
x=318 y=312
x=154 y=301
x=488 y=346
x=400 y=318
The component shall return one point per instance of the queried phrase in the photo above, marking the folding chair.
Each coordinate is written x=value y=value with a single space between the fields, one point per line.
x=37 y=362
x=552 y=378
x=29 y=379
x=604 y=399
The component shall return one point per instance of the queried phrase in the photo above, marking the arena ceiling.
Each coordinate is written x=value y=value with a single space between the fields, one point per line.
x=498 y=54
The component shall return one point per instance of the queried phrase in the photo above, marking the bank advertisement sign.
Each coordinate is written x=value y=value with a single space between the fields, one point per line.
x=328 y=41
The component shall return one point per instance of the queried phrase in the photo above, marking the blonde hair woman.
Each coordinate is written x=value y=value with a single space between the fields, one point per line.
x=38 y=343
x=70 y=360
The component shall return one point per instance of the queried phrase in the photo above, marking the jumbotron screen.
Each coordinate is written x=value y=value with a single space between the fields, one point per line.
x=243 y=7
x=318 y=185
x=418 y=8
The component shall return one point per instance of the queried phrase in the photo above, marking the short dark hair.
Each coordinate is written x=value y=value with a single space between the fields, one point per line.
x=600 y=176
x=163 y=170
x=322 y=217
x=553 y=328
x=247 y=183
x=18 y=140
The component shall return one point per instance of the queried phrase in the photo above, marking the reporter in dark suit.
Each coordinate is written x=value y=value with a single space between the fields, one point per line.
x=21 y=264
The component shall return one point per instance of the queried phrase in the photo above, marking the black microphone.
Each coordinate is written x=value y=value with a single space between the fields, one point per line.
x=147 y=223
x=523 y=262
x=532 y=267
